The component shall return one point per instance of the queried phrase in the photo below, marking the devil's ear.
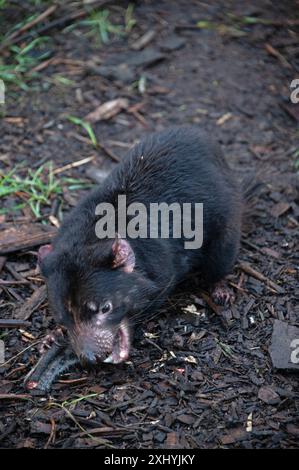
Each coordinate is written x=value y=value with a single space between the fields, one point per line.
x=123 y=255
x=43 y=252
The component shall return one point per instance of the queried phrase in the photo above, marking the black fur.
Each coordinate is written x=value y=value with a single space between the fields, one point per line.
x=178 y=165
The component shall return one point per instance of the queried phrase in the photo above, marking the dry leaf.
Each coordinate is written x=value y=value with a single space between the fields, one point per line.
x=107 y=110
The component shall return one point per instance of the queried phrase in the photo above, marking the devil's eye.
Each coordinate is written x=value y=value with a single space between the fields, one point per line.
x=106 y=307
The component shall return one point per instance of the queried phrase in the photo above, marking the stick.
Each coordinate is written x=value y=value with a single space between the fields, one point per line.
x=14 y=396
x=274 y=52
x=5 y=323
x=41 y=17
x=109 y=152
x=73 y=165
x=260 y=277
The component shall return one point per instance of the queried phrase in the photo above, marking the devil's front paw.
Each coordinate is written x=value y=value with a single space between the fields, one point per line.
x=56 y=336
x=222 y=295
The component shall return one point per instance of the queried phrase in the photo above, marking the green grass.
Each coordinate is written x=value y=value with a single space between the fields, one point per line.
x=296 y=156
x=101 y=26
x=233 y=24
x=22 y=61
x=129 y=19
x=36 y=189
x=86 y=126
x=225 y=348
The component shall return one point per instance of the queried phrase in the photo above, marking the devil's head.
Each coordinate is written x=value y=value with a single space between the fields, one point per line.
x=95 y=292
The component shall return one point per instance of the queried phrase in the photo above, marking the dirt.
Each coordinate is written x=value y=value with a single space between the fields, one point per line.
x=198 y=377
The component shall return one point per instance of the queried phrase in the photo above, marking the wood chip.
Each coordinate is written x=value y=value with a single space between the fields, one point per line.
x=31 y=304
x=235 y=435
x=279 y=209
x=268 y=395
x=172 y=441
x=143 y=40
x=223 y=119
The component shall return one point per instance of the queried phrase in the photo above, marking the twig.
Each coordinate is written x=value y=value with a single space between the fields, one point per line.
x=2 y=262
x=109 y=152
x=260 y=277
x=72 y=381
x=275 y=53
x=73 y=165
x=20 y=353
x=140 y=118
x=12 y=283
x=10 y=323
x=14 y=396
x=12 y=39
x=51 y=439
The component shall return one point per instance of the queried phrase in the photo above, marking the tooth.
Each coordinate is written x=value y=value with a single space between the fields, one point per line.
x=109 y=360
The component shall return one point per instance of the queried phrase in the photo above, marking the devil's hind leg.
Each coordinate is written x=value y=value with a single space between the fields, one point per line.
x=219 y=261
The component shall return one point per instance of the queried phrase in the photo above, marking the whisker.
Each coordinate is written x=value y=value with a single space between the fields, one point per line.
x=141 y=312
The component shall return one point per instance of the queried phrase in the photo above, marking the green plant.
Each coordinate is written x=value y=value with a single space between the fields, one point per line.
x=36 y=188
x=23 y=63
x=296 y=156
x=101 y=26
x=86 y=126
x=129 y=19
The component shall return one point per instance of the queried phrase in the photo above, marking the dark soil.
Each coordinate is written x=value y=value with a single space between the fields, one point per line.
x=197 y=378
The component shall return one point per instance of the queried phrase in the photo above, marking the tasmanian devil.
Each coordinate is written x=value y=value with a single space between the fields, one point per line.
x=99 y=287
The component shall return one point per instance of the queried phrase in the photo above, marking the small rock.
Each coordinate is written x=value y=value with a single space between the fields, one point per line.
x=96 y=175
x=121 y=72
x=172 y=43
x=284 y=348
x=160 y=437
x=145 y=58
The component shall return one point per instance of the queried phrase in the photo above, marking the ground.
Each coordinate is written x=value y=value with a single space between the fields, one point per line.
x=198 y=376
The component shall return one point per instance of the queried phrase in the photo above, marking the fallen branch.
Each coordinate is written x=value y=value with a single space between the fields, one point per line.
x=18 y=237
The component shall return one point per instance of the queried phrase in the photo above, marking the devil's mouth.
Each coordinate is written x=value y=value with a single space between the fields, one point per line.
x=121 y=346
